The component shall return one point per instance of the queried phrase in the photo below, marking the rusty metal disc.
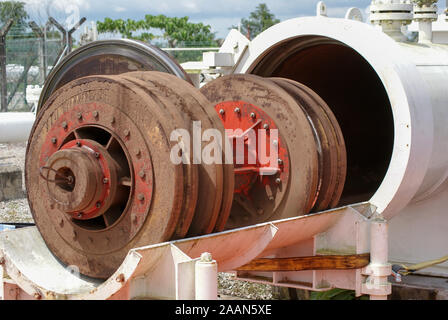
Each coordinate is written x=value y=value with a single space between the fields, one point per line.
x=170 y=106
x=123 y=130
x=191 y=105
x=109 y=57
x=285 y=192
x=330 y=140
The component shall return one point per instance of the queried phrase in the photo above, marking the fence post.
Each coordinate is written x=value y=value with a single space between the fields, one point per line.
x=4 y=91
x=66 y=36
x=42 y=51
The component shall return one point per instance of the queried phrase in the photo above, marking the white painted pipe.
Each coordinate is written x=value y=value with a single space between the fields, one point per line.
x=379 y=255
x=206 y=278
x=15 y=126
x=414 y=78
x=425 y=31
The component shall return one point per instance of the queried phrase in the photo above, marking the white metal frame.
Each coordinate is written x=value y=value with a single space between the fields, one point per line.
x=174 y=270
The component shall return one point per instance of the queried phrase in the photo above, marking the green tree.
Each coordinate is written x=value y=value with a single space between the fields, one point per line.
x=15 y=10
x=174 y=30
x=258 y=21
x=125 y=28
x=180 y=30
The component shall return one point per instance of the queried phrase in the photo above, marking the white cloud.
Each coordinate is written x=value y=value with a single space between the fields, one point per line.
x=220 y=14
x=119 y=9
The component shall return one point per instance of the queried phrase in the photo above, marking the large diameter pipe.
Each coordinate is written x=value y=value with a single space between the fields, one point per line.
x=412 y=79
x=15 y=126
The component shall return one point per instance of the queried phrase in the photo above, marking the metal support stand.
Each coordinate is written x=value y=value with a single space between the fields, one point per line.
x=184 y=270
x=4 y=91
x=206 y=278
x=377 y=272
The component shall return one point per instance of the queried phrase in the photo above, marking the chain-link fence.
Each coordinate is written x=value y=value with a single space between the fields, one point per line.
x=29 y=58
x=28 y=52
x=31 y=51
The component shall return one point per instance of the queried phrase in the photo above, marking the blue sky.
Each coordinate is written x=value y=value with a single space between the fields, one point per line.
x=219 y=14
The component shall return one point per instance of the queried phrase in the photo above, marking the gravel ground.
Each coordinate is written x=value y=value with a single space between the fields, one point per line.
x=245 y=290
x=18 y=211
x=14 y=210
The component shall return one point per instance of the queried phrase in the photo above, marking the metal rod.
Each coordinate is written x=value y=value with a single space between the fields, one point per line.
x=71 y=31
x=66 y=36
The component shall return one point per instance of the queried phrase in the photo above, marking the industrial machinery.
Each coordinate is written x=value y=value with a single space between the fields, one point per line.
x=358 y=131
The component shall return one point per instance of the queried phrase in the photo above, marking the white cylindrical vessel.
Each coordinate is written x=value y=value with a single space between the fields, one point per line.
x=206 y=278
x=390 y=99
x=15 y=126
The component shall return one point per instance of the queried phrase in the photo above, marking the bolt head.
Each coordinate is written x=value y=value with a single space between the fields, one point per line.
x=78 y=143
x=64 y=125
x=252 y=115
x=237 y=110
x=95 y=114
x=280 y=161
x=97 y=155
x=141 y=174
x=221 y=111
x=98 y=204
x=278 y=181
x=141 y=196
x=79 y=115
x=126 y=132
x=54 y=140
x=79 y=215
x=266 y=126
x=105 y=180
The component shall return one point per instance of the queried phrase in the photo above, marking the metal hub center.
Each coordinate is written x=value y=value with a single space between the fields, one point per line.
x=81 y=178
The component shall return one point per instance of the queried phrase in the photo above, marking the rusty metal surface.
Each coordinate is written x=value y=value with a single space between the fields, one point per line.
x=139 y=135
x=169 y=106
x=292 y=196
x=109 y=57
x=215 y=180
x=333 y=156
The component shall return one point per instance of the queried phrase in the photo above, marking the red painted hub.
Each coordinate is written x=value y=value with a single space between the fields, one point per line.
x=253 y=134
x=89 y=170
x=84 y=178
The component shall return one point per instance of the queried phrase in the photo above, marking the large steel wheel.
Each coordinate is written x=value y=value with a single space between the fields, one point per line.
x=276 y=190
x=98 y=173
x=109 y=57
x=309 y=173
